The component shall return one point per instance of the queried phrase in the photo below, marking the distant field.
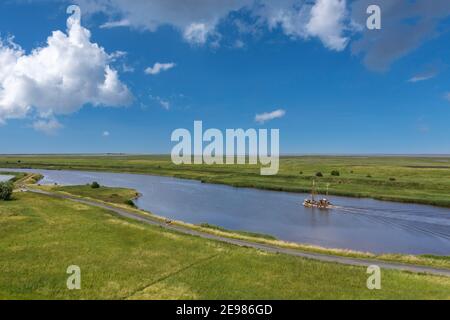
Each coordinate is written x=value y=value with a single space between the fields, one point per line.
x=407 y=179
x=125 y=259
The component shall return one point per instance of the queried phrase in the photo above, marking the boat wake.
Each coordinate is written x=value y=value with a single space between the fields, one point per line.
x=431 y=226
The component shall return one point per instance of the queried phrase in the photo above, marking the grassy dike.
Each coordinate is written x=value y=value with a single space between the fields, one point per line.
x=424 y=180
x=125 y=259
x=120 y=197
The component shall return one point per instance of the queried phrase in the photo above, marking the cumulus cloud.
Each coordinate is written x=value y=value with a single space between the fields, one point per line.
x=406 y=24
x=194 y=18
x=268 y=116
x=159 y=67
x=59 y=78
x=327 y=22
x=197 y=33
x=105 y=134
x=198 y=20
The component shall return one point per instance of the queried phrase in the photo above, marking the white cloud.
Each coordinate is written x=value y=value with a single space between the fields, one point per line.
x=115 y=24
x=59 y=78
x=47 y=126
x=117 y=55
x=419 y=78
x=268 y=116
x=327 y=23
x=333 y=22
x=197 y=33
x=197 y=20
x=162 y=102
x=105 y=134
x=127 y=68
x=194 y=18
x=159 y=67
x=325 y=19
x=423 y=76
x=165 y=104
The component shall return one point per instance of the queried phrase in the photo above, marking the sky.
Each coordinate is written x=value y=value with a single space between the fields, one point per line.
x=123 y=75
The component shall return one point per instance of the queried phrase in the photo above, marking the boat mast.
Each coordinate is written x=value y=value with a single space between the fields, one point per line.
x=313 y=190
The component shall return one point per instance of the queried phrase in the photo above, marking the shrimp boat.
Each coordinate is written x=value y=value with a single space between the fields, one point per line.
x=323 y=203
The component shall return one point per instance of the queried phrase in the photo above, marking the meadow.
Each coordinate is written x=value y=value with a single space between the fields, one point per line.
x=125 y=259
x=416 y=179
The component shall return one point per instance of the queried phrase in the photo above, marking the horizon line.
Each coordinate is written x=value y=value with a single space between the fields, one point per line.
x=281 y=155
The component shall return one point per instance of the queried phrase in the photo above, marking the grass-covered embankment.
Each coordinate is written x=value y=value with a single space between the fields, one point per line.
x=102 y=193
x=124 y=259
x=118 y=197
x=423 y=180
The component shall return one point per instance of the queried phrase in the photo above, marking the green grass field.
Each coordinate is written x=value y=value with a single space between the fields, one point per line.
x=407 y=179
x=124 y=259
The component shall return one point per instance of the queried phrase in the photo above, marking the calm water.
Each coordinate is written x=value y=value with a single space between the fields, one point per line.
x=359 y=224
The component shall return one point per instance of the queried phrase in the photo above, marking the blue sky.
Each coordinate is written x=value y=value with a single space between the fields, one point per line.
x=381 y=92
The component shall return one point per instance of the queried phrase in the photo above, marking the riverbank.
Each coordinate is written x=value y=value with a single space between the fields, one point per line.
x=422 y=180
x=85 y=193
x=125 y=259
x=362 y=225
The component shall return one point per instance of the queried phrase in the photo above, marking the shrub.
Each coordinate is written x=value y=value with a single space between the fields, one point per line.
x=319 y=174
x=392 y=179
x=95 y=185
x=335 y=173
x=6 y=190
x=130 y=203
x=301 y=172
x=369 y=176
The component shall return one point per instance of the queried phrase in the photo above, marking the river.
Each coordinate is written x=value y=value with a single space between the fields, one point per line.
x=357 y=224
